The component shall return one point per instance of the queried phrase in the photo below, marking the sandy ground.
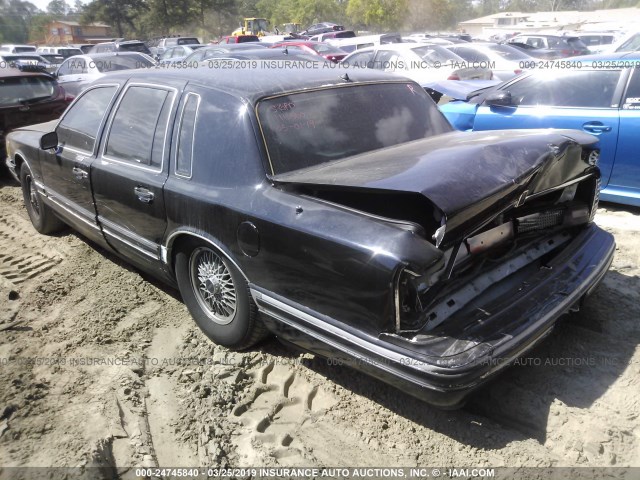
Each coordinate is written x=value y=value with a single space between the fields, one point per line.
x=100 y=365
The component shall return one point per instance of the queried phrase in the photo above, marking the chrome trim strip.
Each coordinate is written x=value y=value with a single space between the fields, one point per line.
x=389 y=354
x=169 y=244
x=125 y=232
x=54 y=198
x=109 y=232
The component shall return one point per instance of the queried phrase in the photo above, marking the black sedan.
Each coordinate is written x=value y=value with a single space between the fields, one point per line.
x=334 y=208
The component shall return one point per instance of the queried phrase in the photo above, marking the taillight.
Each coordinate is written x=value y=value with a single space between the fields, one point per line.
x=67 y=96
x=517 y=71
x=566 y=53
x=453 y=76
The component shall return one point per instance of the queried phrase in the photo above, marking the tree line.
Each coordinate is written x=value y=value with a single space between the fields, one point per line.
x=22 y=22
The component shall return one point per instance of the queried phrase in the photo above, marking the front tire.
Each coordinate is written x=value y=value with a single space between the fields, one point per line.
x=217 y=296
x=41 y=215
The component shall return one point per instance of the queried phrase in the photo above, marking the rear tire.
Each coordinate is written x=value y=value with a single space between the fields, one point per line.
x=217 y=296
x=42 y=217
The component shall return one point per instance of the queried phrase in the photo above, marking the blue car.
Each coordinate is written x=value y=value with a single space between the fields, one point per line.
x=598 y=94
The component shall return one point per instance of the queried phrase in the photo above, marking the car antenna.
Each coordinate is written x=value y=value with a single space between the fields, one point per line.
x=346 y=78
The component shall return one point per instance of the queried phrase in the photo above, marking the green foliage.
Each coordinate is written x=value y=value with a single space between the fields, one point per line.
x=120 y=14
x=378 y=14
x=15 y=20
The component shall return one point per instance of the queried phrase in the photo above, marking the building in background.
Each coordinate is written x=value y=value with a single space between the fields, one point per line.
x=62 y=32
x=505 y=24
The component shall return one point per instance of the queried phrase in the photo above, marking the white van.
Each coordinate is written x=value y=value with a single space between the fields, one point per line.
x=10 y=48
x=356 y=43
x=65 y=52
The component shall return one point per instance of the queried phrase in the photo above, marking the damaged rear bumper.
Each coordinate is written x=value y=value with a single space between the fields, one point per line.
x=445 y=381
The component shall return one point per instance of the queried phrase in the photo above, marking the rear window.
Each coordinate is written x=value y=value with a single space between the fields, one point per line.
x=576 y=43
x=307 y=129
x=112 y=64
x=20 y=90
x=248 y=38
x=134 y=47
x=345 y=34
x=24 y=49
x=187 y=40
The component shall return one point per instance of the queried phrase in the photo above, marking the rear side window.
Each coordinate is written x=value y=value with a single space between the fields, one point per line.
x=133 y=129
x=79 y=126
x=186 y=135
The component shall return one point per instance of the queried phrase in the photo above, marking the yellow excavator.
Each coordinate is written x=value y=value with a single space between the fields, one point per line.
x=252 y=26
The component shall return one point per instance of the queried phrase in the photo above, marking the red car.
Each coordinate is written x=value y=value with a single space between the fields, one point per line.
x=27 y=98
x=325 y=50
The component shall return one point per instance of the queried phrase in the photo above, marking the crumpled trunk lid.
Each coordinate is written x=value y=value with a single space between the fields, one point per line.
x=469 y=176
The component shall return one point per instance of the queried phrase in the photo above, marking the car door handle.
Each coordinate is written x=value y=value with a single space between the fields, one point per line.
x=79 y=173
x=596 y=127
x=144 y=195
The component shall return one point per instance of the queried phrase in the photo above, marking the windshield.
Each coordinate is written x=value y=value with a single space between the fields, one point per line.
x=17 y=90
x=121 y=62
x=509 y=53
x=69 y=52
x=307 y=129
x=260 y=25
x=435 y=53
x=24 y=49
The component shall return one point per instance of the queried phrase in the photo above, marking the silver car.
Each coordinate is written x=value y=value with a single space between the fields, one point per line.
x=77 y=72
x=505 y=61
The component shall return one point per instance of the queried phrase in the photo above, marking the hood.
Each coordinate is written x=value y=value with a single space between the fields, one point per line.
x=468 y=176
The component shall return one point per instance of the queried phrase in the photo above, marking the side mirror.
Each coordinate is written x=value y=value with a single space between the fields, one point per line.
x=49 y=141
x=499 y=99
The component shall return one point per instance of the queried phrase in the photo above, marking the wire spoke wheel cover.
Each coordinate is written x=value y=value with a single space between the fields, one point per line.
x=213 y=285
x=33 y=195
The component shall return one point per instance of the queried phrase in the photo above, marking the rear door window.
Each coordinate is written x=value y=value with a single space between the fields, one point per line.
x=142 y=111
x=79 y=126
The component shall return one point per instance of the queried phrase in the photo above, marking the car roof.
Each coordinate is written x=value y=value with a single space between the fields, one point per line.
x=266 y=79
